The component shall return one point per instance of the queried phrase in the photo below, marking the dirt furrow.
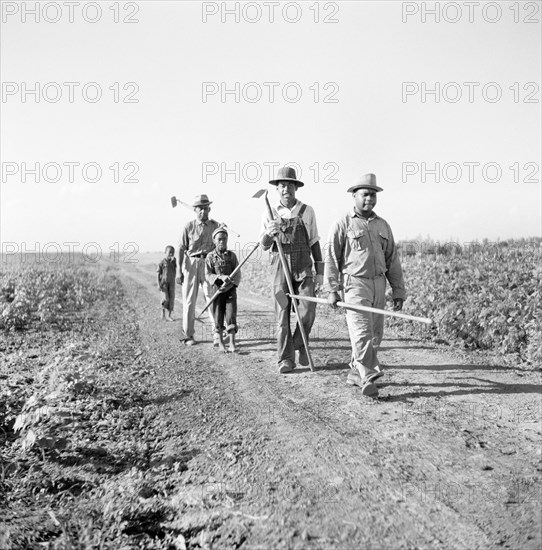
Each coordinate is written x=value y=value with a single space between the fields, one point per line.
x=423 y=466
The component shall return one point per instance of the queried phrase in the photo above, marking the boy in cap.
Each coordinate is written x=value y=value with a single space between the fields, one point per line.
x=166 y=282
x=294 y=224
x=196 y=243
x=361 y=248
x=218 y=267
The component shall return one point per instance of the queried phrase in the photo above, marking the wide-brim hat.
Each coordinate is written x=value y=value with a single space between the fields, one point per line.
x=201 y=200
x=286 y=173
x=367 y=181
x=220 y=229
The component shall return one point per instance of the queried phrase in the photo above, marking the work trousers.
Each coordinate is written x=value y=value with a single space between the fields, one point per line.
x=168 y=295
x=194 y=276
x=365 y=328
x=286 y=342
x=225 y=311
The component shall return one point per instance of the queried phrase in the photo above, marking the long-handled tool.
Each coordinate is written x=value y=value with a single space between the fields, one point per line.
x=217 y=293
x=257 y=195
x=356 y=307
x=175 y=201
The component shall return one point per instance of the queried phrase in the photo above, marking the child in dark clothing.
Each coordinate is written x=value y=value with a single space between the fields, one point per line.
x=167 y=270
x=219 y=264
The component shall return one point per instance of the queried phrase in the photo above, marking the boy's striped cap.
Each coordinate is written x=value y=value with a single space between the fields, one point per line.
x=220 y=229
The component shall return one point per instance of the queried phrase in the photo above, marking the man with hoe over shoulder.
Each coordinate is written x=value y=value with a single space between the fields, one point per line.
x=294 y=224
x=361 y=249
x=196 y=243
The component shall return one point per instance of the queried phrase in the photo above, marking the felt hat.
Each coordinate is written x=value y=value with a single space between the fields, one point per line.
x=201 y=200
x=367 y=181
x=220 y=229
x=286 y=173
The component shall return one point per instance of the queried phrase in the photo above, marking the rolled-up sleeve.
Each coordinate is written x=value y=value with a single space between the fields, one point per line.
x=310 y=223
x=159 y=272
x=265 y=240
x=184 y=241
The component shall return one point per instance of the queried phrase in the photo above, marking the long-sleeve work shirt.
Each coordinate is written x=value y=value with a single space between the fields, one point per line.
x=363 y=248
x=197 y=237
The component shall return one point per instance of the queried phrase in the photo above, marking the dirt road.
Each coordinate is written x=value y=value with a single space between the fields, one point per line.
x=447 y=457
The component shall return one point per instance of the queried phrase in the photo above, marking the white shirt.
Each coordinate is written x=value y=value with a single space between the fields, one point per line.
x=309 y=218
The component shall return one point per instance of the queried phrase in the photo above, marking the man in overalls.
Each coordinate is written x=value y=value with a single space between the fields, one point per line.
x=295 y=226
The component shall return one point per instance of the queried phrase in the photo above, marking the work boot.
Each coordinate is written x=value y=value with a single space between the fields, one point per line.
x=374 y=375
x=366 y=383
x=303 y=357
x=190 y=342
x=354 y=378
x=369 y=390
x=286 y=366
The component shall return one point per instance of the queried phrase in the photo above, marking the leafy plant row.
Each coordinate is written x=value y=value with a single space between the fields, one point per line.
x=483 y=301
x=38 y=296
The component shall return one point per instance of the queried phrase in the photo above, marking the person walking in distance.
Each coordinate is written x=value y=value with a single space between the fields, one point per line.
x=361 y=251
x=196 y=242
x=166 y=282
x=294 y=224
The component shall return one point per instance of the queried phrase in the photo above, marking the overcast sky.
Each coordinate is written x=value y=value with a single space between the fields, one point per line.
x=351 y=85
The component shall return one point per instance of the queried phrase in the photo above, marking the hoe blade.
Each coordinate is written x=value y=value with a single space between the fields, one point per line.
x=259 y=193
